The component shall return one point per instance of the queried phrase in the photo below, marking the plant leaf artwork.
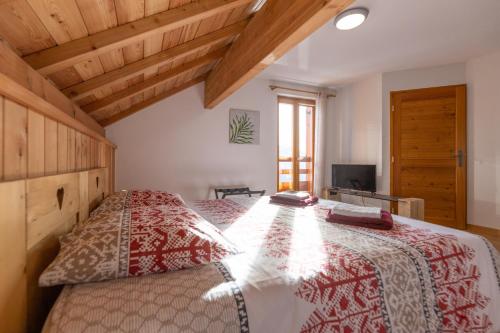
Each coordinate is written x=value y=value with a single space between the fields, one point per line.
x=242 y=127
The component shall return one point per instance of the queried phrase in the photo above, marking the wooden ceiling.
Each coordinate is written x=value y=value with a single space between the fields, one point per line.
x=115 y=57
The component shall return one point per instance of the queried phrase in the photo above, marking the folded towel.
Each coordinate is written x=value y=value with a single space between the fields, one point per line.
x=384 y=221
x=292 y=202
x=293 y=195
x=356 y=211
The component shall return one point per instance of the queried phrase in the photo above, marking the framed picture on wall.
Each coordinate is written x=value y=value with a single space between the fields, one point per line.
x=244 y=126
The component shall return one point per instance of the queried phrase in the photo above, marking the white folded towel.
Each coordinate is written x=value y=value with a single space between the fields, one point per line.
x=356 y=211
x=294 y=195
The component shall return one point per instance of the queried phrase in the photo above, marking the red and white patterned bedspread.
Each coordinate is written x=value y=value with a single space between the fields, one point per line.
x=299 y=273
x=325 y=277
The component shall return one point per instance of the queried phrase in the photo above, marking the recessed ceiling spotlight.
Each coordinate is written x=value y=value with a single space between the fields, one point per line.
x=351 y=18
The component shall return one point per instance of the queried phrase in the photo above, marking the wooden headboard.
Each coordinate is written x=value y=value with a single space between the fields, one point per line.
x=34 y=213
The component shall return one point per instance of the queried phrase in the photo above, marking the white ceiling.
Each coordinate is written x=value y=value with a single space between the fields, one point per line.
x=398 y=34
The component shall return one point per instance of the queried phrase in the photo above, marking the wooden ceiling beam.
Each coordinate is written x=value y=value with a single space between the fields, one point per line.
x=68 y=54
x=277 y=27
x=108 y=79
x=154 y=81
x=139 y=106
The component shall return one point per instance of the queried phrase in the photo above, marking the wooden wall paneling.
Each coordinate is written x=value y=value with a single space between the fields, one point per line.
x=96 y=186
x=105 y=183
x=97 y=161
x=106 y=149
x=50 y=146
x=91 y=153
x=45 y=222
x=88 y=143
x=78 y=150
x=84 y=196
x=62 y=148
x=15 y=140
x=36 y=144
x=1 y=137
x=94 y=150
x=101 y=163
x=102 y=153
x=71 y=150
x=85 y=151
x=13 y=257
x=96 y=155
x=90 y=161
x=47 y=213
x=107 y=163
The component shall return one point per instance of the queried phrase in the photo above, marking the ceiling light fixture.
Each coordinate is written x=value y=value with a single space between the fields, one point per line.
x=351 y=18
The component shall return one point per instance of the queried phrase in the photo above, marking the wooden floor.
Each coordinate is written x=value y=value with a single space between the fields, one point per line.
x=493 y=235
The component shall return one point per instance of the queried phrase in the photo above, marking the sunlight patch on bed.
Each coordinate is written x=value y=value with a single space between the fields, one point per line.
x=220 y=291
x=307 y=255
x=249 y=233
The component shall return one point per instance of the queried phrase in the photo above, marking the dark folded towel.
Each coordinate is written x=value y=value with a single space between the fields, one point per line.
x=292 y=202
x=384 y=222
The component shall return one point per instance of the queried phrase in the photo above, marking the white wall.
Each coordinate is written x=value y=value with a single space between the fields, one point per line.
x=483 y=104
x=354 y=130
x=179 y=146
x=355 y=125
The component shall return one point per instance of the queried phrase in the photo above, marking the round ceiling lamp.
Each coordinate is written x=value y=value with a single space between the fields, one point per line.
x=351 y=18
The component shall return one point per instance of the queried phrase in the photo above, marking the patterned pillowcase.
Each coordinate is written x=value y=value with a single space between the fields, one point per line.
x=128 y=199
x=153 y=198
x=113 y=203
x=137 y=241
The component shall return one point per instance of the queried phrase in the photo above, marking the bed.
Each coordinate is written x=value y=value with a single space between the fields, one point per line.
x=295 y=272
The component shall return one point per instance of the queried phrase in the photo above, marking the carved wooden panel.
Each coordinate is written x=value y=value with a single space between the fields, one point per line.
x=52 y=205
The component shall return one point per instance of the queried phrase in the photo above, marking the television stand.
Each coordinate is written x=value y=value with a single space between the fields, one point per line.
x=407 y=207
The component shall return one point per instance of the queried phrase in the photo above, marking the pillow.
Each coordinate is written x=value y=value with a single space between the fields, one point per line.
x=137 y=241
x=153 y=198
x=112 y=203
x=127 y=199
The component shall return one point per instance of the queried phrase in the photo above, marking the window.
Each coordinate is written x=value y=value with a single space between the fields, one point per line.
x=295 y=144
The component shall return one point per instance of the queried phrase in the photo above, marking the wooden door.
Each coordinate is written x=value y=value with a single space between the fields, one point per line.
x=428 y=151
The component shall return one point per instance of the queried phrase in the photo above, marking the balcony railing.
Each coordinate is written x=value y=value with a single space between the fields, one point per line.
x=288 y=185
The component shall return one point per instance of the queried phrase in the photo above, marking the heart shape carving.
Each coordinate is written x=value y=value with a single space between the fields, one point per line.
x=60 y=196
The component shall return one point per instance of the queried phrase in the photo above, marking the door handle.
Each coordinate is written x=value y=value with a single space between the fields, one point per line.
x=460 y=158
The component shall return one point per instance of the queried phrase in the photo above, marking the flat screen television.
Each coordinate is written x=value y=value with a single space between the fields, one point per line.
x=354 y=176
